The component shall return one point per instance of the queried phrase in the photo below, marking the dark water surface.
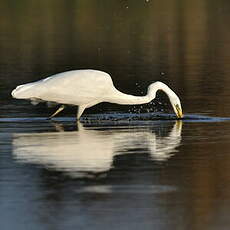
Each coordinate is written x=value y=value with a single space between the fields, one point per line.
x=121 y=167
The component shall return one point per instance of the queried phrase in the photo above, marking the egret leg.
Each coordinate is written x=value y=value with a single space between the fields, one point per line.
x=58 y=111
x=81 y=109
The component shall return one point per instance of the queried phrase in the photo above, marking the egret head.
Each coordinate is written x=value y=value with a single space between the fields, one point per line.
x=174 y=99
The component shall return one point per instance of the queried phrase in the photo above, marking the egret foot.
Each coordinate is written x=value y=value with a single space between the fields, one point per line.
x=58 y=111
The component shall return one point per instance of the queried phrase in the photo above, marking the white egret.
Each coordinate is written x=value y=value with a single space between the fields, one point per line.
x=86 y=88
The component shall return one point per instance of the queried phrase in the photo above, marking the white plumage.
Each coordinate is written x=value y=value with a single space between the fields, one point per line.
x=86 y=88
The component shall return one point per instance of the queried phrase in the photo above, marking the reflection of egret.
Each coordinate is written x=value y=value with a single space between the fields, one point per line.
x=91 y=151
x=87 y=88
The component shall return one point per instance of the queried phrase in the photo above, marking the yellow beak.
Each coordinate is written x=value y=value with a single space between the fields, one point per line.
x=179 y=112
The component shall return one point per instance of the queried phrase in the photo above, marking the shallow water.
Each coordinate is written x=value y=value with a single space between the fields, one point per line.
x=97 y=173
x=120 y=167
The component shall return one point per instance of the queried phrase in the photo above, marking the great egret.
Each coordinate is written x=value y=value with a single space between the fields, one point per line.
x=87 y=88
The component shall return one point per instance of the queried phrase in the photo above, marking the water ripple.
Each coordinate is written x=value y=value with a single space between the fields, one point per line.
x=121 y=117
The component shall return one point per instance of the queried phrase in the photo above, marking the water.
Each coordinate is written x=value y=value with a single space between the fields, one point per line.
x=121 y=167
